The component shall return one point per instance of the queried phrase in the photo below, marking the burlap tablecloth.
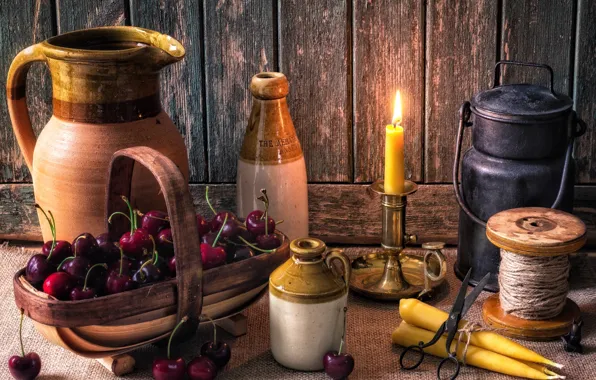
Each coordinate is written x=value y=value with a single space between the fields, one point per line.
x=368 y=338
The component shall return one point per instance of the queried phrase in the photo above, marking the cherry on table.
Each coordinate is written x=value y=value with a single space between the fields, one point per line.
x=58 y=285
x=26 y=366
x=218 y=351
x=201 y=368
x=170 y=369
x=339 y=365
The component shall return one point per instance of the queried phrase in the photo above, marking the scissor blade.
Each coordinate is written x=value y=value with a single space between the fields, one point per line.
x=461 y=295
x=474 y=294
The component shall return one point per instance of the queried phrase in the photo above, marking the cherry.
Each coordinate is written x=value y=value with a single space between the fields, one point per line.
x=84 y=292
x=172 y=265
x=62 y=250
x=213 y=255
x=267 y=242
x=201 y=368
x=24 y=367
x=154 y=221
x=257 y=248
x=148 y=272
x=109 y=251
x=221 y=218
x=118 y=282
x=208 y=238
x=203 y=225
x=76 y=266
x=58 y=285
x=128 y=266
x=255 y=222
x=243 y=253
x=165 y=242
x=85 y=245
x=339 y=365
x=218 y=352
x=38 y=269
x=136 y=241
x=40 y=266
x=170 y=369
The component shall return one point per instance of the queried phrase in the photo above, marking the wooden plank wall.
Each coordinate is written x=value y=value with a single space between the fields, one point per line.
x=344 y=60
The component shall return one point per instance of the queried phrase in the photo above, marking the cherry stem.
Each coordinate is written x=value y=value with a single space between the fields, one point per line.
x=121 y=261
x=265 y=199
x=154 y=249
x=279 y=222
x=21 y=332
x=167 y=241
x=65 y=260
x=255 y=247
x=219 y=232
x=203 y=316
x=208 y=202
x=52 y=224
x=103 y=265
x=343 y=334
x=143 y=266
x=174 y=332
x=132 y=216
x=75 y=244
x=166 y=219
x=118 y=213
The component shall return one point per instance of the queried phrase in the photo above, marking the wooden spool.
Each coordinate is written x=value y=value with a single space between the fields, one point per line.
x=109 y=326
x=534 y=231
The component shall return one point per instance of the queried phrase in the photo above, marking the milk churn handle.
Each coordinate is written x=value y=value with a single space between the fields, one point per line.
x=569 y=157
x=497 y=80
x=464 y=117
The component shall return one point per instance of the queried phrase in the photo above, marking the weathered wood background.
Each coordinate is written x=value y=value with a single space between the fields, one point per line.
x=344 y=60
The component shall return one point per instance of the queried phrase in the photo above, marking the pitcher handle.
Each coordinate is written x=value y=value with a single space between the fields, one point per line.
x=338 y=254
x=16 y=95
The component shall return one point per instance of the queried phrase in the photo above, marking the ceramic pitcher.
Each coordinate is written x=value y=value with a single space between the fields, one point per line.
x=271 y=158
x=306 y=305
x=105 y=84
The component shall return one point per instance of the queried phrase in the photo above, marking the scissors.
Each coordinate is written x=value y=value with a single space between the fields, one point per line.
x=460 y=307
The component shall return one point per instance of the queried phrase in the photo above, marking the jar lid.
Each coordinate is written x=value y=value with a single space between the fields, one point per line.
x=520 y=102
x=307 y=248
x=536 y=231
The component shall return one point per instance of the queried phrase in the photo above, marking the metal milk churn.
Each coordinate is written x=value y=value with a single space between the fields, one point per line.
x=521 y=156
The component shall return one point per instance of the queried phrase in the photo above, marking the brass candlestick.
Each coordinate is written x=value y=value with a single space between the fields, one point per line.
x=391 y=274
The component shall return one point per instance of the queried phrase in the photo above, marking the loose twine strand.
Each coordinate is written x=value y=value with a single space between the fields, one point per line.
x=533 y=287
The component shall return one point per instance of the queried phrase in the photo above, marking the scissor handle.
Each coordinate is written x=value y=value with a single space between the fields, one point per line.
x=450 y=358
x=415 y=347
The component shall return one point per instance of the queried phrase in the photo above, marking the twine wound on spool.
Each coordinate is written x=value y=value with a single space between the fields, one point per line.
x=533 y=287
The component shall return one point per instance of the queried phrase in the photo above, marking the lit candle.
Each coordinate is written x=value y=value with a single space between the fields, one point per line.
x=394 y=152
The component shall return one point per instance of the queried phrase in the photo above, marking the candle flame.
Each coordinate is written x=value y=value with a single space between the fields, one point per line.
x=397 y=109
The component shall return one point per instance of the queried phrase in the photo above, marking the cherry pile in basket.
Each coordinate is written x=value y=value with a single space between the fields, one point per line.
x=95 y=266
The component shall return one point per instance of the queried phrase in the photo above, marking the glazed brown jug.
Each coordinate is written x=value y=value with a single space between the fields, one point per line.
x=105 y=84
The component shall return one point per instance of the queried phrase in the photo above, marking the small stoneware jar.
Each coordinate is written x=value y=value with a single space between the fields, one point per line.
x=306 y=301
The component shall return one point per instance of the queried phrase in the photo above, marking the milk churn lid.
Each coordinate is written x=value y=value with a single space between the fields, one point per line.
x=520 y=102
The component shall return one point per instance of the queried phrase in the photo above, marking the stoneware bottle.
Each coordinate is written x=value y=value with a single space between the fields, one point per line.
x=105 y=84
x=306 y=302
x=271 y=158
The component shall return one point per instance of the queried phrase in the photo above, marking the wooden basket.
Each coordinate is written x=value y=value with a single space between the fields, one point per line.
x=118 y=323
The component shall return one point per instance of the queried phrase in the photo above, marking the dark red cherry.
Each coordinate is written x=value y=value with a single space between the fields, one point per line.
x=219 y=218
x=172 y=265
x=201 y=368
x=147 y=274
x=109 y=251
x=255 y=223
x=117 y=283
x=58 y=285
x=212 y=256
x=154 y=221
x=203 y=225
x=338 y=366
x=78 y=293
x=128 y=266
x=243 y=253
x=135 y=244
x=85 y=245
x=25 y=367
x=270 y=241
x=165 y=242
x=77 y=268
x=219 y=352
x=169 y=369
x=209 y=238
x=38 y=269
x=62 y=250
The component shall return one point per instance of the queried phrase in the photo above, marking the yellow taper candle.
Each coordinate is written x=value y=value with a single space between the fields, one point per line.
x=394 y=152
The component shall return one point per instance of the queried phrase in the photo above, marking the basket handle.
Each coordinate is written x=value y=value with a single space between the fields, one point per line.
x=173 y=186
